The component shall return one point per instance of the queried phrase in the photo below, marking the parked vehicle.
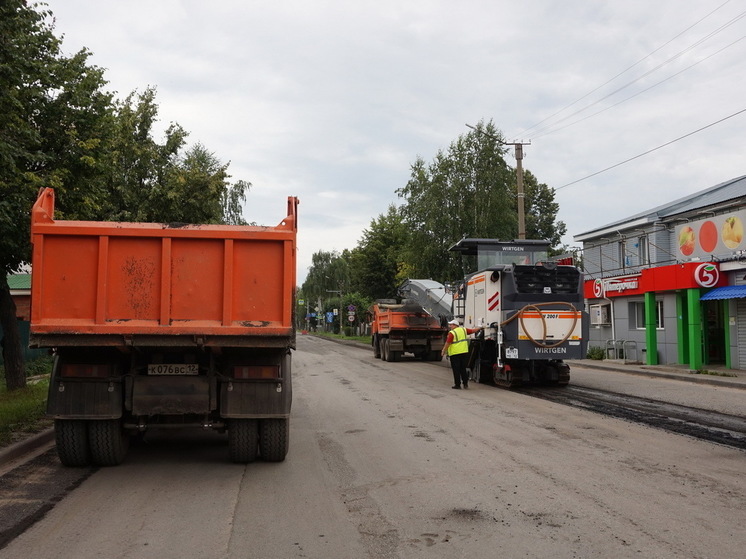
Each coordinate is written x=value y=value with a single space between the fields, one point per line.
x=157 y=325
x=405 y=327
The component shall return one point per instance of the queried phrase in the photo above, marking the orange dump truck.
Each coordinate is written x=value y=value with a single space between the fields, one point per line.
x=157 y=325
x=405 y=328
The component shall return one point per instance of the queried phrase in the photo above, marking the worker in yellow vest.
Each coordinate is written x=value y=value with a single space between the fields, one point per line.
x=457 y=349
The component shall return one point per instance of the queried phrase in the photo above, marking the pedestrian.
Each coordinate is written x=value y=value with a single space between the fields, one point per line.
x=457 y=349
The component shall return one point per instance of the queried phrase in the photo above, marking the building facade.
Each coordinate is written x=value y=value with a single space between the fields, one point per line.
x=668 y=286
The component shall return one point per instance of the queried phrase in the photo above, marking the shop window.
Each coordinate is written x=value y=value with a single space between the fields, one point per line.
x=623 y=257
x=642 y=251
x=637 y=315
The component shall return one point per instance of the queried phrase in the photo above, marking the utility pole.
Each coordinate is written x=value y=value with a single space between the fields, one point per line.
x=519 y=178
x=521 y=195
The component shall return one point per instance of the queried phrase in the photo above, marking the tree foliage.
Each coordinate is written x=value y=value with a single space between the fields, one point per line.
x=469 y=191
x=329 y=286
x=377 y=263
x=161 y=182
x=59 y=127
x=54 y=121
x=466 y=191
x=329 y=274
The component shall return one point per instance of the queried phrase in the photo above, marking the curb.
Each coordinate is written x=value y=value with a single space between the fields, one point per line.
x=697 y=379
x=26 y=446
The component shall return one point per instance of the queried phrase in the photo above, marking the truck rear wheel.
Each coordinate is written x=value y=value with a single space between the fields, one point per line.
x=243 y=440
x=71 y=437
x=274 y=439
x=108 y=442
x=376 y=347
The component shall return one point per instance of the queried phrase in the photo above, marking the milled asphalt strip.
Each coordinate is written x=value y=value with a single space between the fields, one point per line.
x=29 y=490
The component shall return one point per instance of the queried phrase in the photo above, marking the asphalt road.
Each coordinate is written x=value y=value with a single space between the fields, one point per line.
x=387 y=461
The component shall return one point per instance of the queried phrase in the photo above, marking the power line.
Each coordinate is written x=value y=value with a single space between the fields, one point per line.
x=652 y=150
x=639 y=92
x=548 y=128
x=523 y=134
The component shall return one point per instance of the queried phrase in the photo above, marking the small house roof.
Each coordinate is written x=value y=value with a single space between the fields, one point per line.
x=19 y=281
x=724 y=192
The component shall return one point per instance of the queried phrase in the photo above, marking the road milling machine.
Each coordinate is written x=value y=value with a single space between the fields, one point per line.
x=532 y=310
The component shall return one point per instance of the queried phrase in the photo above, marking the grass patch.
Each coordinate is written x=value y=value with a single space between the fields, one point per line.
x=23 y=411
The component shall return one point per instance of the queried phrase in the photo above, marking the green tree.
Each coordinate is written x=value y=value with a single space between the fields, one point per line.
x=469 y=191
x=465 y=192
x=165 y=182
x=54 y=123
x=377 y=260
x=60 y=128
x=328 y=273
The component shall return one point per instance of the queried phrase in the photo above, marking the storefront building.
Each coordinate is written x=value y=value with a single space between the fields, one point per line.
x=668 y=286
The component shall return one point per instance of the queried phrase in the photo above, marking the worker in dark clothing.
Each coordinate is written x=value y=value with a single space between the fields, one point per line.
x=457 y=349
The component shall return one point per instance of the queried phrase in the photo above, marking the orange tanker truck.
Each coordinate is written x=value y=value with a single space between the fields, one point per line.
x=156 y=325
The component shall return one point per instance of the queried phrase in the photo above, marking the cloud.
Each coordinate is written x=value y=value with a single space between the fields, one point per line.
x=332 y=101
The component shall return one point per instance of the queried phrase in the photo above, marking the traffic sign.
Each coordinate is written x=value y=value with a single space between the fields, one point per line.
x=351 y=318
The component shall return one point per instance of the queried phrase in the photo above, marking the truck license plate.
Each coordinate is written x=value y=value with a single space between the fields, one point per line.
x=173 y=369
x=511 y=353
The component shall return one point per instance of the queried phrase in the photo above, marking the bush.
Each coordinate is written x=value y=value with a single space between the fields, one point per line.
x=596 y=352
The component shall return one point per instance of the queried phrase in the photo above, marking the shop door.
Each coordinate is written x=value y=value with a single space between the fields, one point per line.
x=714 y=334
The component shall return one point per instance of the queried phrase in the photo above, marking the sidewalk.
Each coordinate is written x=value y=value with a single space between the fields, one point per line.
x=731 y=378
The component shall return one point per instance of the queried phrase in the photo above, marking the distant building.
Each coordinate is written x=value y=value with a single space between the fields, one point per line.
x=668 y=285
x=20 y=292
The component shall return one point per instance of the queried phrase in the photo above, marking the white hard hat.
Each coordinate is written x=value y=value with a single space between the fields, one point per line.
x=454 y=321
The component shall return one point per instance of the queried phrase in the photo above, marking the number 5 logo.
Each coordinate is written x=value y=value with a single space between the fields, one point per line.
x=706 y=275
x=598 y=288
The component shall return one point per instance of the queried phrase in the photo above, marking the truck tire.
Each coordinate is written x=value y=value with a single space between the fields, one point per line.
x=376 y=347
x=385 y=349
x=71 y=437
x=243 y=440
x=108 y=442
x=274 y=439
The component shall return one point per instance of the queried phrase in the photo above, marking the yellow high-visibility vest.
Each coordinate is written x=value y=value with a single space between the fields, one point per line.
x=459 y=344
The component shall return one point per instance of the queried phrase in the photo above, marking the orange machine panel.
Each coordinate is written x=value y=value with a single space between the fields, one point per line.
x=152 y=278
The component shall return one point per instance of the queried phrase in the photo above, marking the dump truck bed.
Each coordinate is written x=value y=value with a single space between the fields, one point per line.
x=112 y=283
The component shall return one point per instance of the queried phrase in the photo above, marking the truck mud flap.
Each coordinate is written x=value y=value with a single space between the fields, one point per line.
x=255 y=399
x=85 y=400
x=170 y=395
x=396 y=344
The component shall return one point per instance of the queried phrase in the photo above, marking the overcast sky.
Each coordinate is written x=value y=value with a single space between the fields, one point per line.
x=332 y=101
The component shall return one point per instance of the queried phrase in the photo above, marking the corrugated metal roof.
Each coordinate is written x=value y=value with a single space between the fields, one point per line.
x=19 y=281
x=723 y=192
x=727 y=292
